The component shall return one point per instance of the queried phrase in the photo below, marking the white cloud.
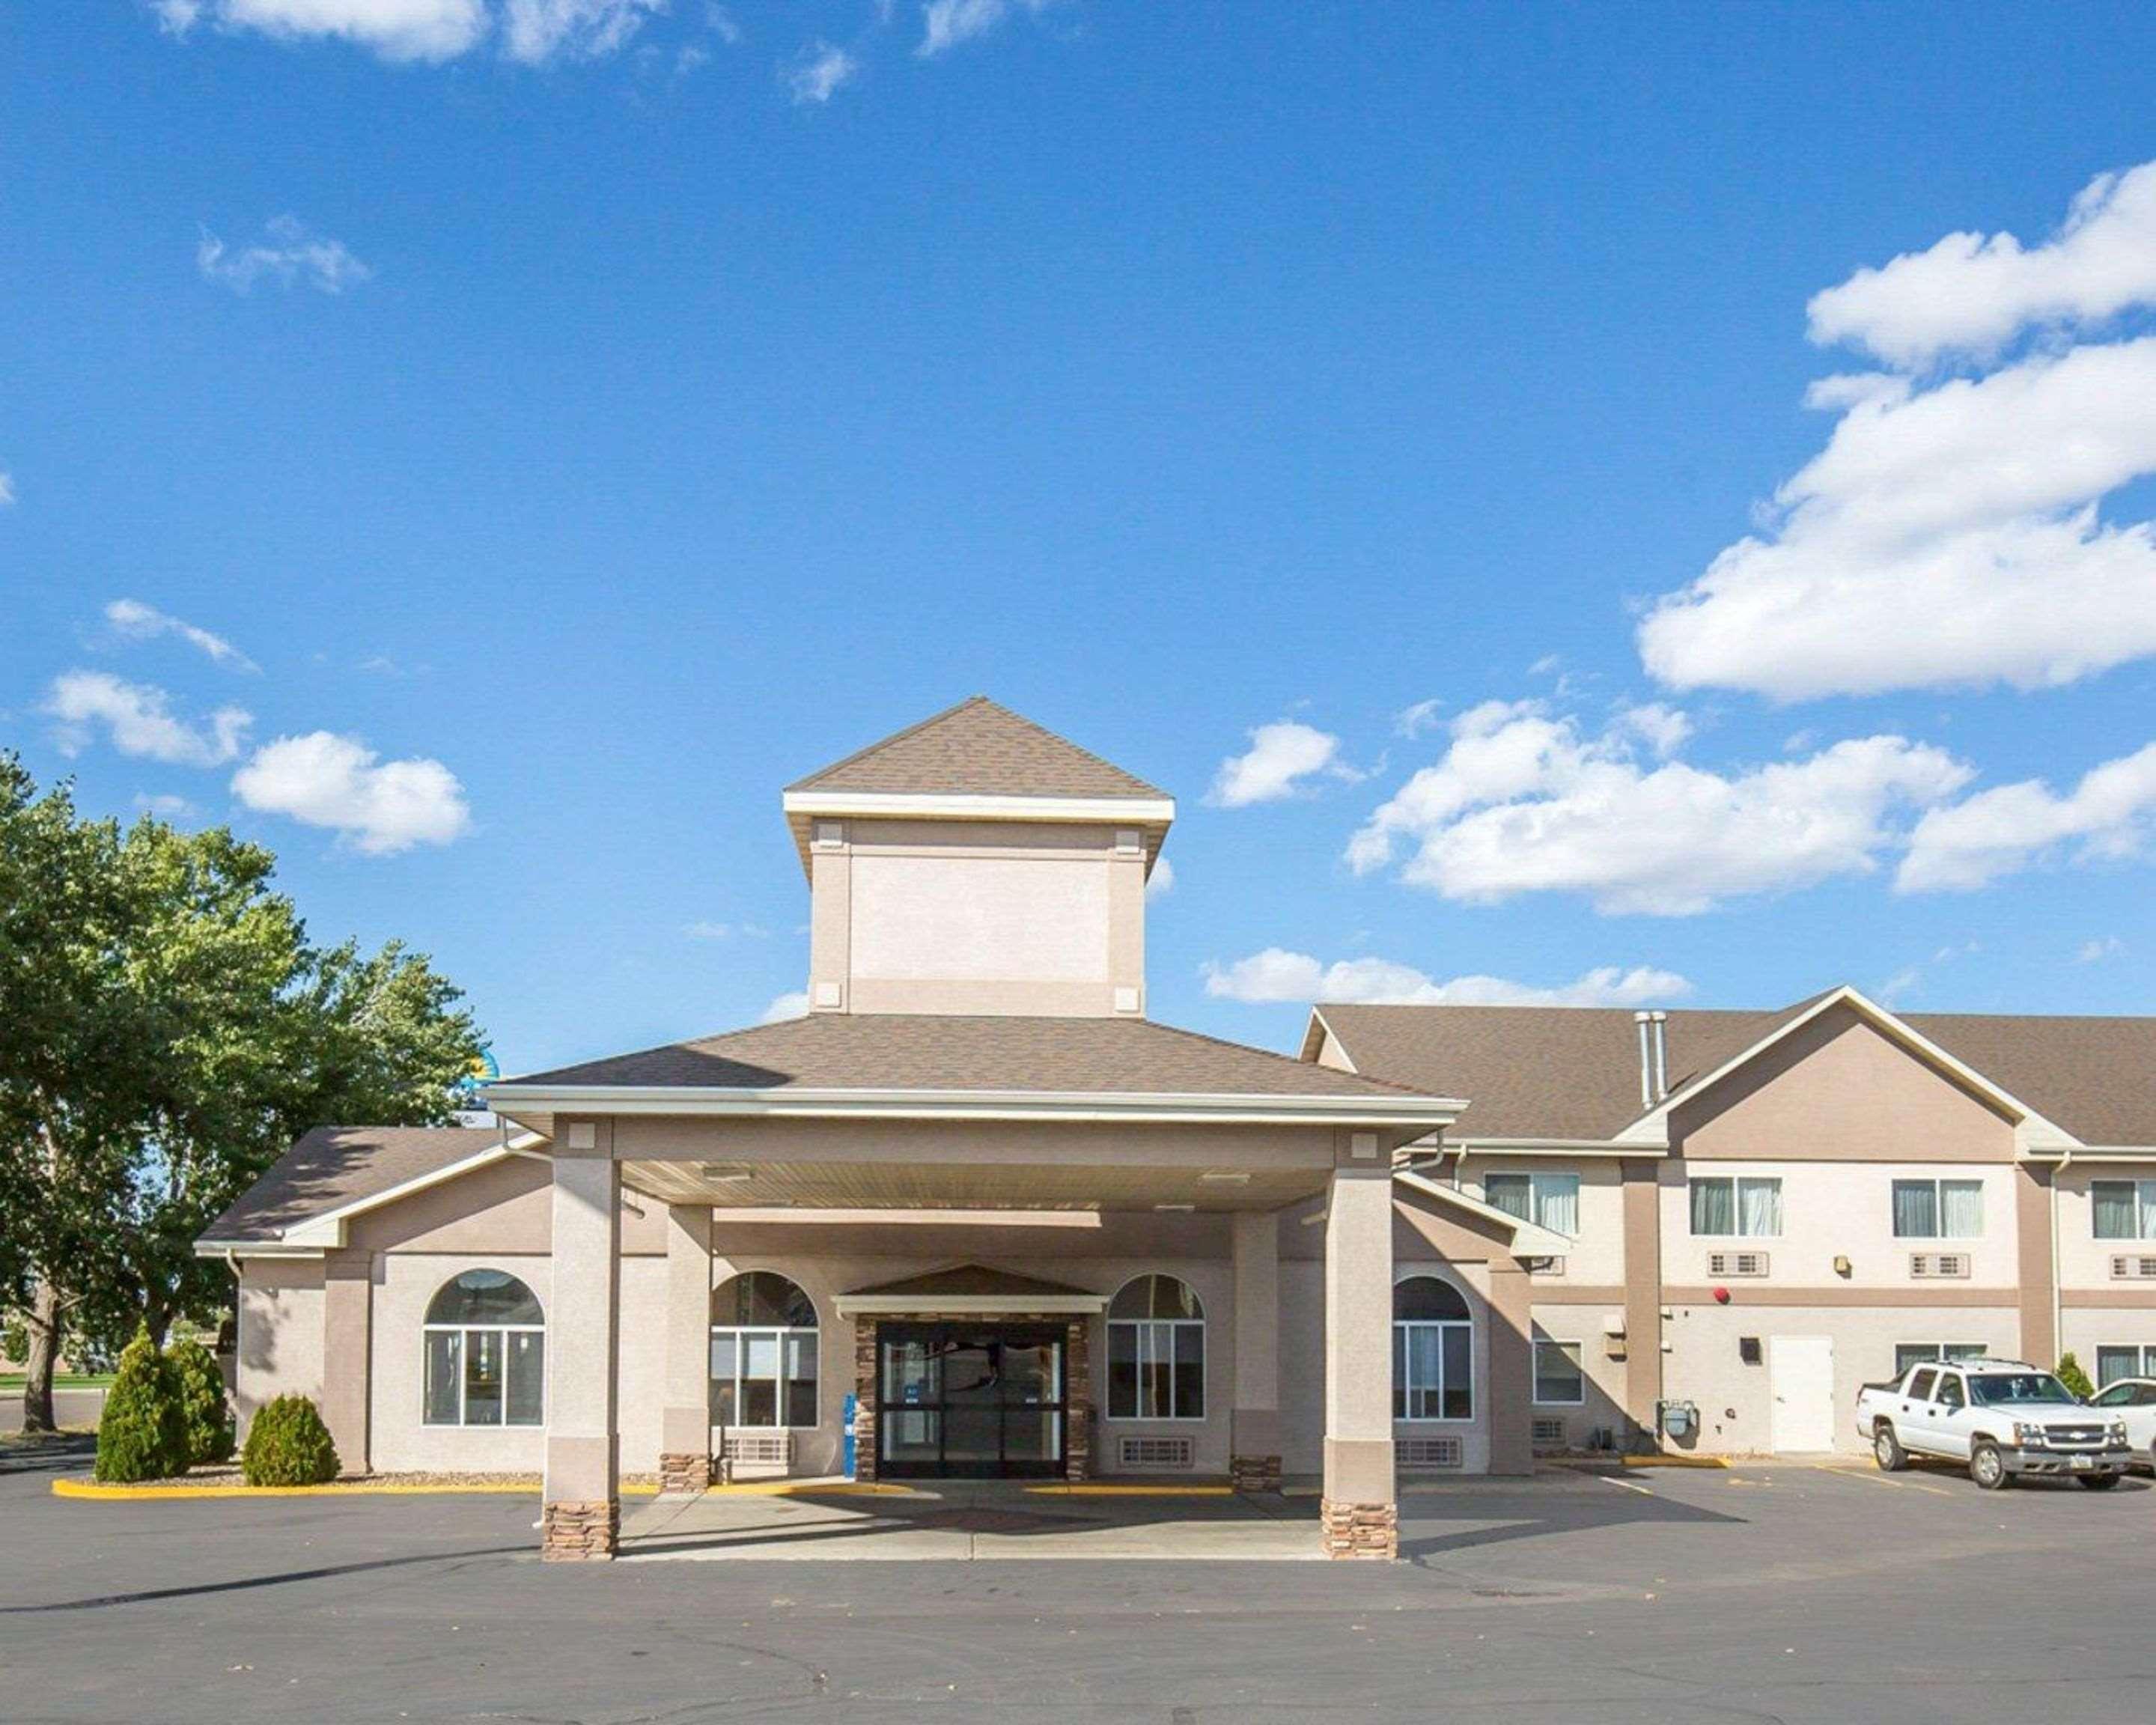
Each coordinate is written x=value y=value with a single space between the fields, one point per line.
x=1278 y=974
x=7 y=488
x=721 y=22
x=1279 y=757
x=324 y=780
x=821 y=73
x=395 y=29
x=293 y=254
x=1971 y=293
x=793 y=1004
x=136 y=621
x=704 y=930
x=1951 y=534
x=163 y=803
x=536 y=30
x=1161 y=881
x=1523 y=801
x=138 y=718
x=1663 y=729
x=945 y=23
x=2096 y=952
x=1412 y=721
x=2109 y=816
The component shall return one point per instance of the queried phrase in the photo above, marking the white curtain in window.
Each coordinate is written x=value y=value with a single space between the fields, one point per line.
x=1512 y=1194
x=1762 y=1207
x=1961 y=1209
x=1559 y=1202
x=1916 y=1210
x=2115 y=1213
x=2148 y=1193
x=1713 y=1207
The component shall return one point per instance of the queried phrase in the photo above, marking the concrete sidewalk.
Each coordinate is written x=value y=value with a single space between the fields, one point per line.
x=970 y=1521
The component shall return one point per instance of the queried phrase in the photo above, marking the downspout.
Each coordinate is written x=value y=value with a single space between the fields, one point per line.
x=2058 y=1297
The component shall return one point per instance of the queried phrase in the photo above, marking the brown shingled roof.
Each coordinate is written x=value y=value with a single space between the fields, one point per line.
x=977 y=749
x=333 y=1166
x=1574 y=1072
x=906 y=1051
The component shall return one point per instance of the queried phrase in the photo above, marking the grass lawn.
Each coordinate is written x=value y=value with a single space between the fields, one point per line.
x=10 y=1383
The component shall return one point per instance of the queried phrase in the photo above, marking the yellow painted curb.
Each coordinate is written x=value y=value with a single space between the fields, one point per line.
x=91 y=1490
x=1105 y=1490
x=1675 y=1461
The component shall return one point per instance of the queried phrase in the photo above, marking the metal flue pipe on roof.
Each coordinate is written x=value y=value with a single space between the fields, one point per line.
x=1646 y=1059
x=1654 y=1056
x=1661 y=1021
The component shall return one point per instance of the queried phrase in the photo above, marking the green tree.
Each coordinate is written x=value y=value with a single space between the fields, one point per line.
x=288 y=1444
x=2070 y=1374
x=143 y=1434
x=205 y=1413
x=166 y=1030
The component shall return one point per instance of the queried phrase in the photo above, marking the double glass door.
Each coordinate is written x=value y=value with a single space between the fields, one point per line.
x=970 y=1401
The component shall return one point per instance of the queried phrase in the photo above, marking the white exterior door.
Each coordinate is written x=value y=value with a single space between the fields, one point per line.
x=1800 y=1379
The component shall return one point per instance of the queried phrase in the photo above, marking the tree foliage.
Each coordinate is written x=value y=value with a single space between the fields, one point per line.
x=205 y=1413
x=143 y=1434
x=166 y=1030
x=2070 y=1374
x=288 y=1444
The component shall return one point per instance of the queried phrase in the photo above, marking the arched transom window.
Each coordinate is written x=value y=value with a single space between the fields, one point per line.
x=1156 y=1350
x=486 y=1352
x=1433 y=1351
x=764 y=1351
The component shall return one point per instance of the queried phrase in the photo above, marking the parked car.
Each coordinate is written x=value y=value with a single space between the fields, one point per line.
x=2002 y=1418
x=2133 y=1401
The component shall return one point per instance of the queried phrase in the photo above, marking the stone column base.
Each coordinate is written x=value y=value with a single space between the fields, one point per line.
x=571 y=1532
x=1361 y=1530
x=1254 y=1473
x=690 y=1472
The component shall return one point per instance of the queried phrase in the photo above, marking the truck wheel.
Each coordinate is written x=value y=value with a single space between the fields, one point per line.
x=2099 y=1482
x=1987 y=1468
x=1887 y=1450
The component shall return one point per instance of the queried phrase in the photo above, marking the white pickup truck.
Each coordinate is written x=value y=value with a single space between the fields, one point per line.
x=2001 y=1418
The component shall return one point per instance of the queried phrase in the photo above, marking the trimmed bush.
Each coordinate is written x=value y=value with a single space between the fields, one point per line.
x=2076 y=1381
x=142 y=1433
x=203 y=1409
x=288 y=1444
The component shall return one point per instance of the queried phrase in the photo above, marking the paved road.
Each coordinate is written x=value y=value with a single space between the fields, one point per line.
x=72 y=1407
x=1786 y=1594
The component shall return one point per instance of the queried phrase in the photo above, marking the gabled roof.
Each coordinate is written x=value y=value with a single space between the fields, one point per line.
x=977 y=748
x=970 y=1280
x=1573 y=1073
x=336 y=1169
x=969 y=1288
x=978 y=761
x=885 y=1054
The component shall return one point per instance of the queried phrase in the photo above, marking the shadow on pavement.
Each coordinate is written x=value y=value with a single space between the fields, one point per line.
x=98 y=1602
x=66 y=1452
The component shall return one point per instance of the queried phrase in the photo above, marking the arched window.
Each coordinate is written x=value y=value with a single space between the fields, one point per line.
x=1156 y=1350
x=486 y=1341
x=764 y=1351
x=1433 y=1351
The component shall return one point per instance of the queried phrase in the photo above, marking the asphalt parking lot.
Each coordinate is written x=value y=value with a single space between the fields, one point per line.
x=1785 y=1592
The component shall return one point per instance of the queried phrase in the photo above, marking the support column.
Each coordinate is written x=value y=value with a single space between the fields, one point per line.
x=867 y=1441
x=1643 y=1293
x=2040 y=1342
x=1254 y=1421
x=685 y=1417
x=1512 y=1367
x=1360 y=1510
x=1078 y=1400
x=580 y=1512
x=348 y=1353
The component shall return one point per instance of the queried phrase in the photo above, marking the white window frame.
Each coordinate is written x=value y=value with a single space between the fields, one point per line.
x=1938 y=1183
x=784 y=1334
x=1736 y=1184
x=1175 y=1367
x=2144 y=1355
x=1537 y=1179
x=2144 y=1204
x=1440 y=1325
x=463 y=1333
x=1536 y=1397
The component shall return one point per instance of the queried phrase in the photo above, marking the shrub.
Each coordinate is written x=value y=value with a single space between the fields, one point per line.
x=288 y=1444
x=203 y=1410
x=2076 y=1381
x=142 y=1433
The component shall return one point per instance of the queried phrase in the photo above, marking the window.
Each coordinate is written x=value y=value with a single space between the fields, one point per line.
x=2113 y=1363
x=1909 y=1353
x=1433 y=1351
x=1156 y=1350
x=1938 y=1209
x=1922 y=1385
x=1746 y=1207
x=2007 y=1389
x=1550 y=1201
x=763 y=1352
x=1558 y=1379
x=2124 y=1210
x=485 y=1345
x=2126 y=1395
x=1950 y=1395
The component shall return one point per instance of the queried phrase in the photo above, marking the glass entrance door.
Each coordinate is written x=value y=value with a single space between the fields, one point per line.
x=970 y=1401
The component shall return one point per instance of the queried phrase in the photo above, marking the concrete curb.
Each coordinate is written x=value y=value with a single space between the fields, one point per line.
x=90 y=1491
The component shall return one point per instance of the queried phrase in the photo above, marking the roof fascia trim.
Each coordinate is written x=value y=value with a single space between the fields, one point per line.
x=904 y=1304
x=1212 y=1107
x=1313 y=1040
x=894 y=805
x=1529 y=1239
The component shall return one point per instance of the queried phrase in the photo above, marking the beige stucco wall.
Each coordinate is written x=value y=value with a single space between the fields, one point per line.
x=949 y=917
x=1597 y=1255
x=1703 y=1363
x=280 y=1333
x=2085 y=1260
x=1603 y=1408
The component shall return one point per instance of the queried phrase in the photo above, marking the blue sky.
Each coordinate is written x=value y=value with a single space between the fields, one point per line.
x=518 y=436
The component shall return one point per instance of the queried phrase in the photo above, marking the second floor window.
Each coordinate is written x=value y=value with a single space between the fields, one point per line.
x=2125 y=1209
x=1739 y=1207
x=1550 y=1201
x=1938 y=1209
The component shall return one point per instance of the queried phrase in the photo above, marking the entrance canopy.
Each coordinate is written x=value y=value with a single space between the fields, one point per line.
x=969 y=1288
